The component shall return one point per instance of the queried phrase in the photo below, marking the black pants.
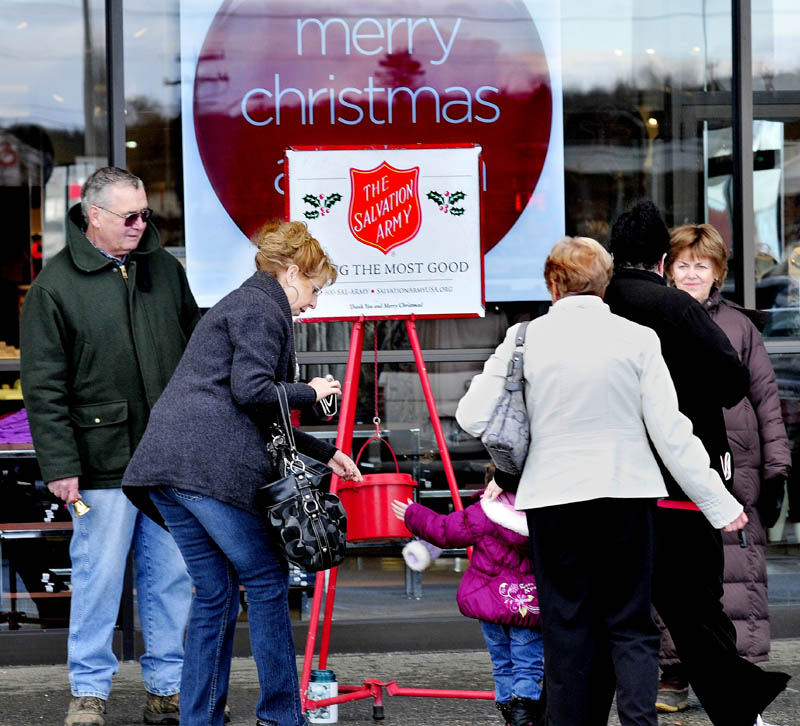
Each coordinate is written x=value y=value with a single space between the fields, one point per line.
x=593 y=565
x=687 y=592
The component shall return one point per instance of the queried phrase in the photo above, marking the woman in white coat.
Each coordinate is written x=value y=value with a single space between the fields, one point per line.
x=597 y=393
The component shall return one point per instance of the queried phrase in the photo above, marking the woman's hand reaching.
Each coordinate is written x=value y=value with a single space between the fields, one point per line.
x=399 y=509
x=343 y=466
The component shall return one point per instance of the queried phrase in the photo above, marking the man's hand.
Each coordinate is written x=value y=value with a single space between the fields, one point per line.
x=66 y=489
x=736 y=524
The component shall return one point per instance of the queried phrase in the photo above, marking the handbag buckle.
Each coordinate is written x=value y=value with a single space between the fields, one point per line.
x=310 y=505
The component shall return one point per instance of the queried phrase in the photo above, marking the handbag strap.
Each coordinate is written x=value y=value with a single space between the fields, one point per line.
x=288 y=448
x=514 y=374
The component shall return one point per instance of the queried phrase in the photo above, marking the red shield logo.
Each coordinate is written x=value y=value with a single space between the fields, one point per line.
x=384 y=206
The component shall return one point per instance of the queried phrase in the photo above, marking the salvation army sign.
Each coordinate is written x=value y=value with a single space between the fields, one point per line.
x=402 y=226
x=259 y=76
x=384 y=206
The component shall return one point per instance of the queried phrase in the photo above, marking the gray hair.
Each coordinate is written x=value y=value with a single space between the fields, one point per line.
x=95 y=188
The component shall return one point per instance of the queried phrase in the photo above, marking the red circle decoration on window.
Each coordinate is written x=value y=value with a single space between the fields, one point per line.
x=295 y=73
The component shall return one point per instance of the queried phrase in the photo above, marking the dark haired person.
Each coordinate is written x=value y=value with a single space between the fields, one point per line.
x=708 y=375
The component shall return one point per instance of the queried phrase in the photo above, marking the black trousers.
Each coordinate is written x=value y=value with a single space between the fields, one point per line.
x=593 y=563
x=687 y=592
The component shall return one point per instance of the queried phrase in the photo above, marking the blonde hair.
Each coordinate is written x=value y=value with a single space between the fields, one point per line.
x=578 y=265
x=699 y=240
x=281 y=244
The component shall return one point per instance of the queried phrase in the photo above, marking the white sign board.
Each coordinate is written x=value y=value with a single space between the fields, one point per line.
x=402 y=225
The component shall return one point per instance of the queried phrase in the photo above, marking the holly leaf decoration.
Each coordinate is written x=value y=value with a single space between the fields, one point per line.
x=456 y=211
x=311 y=215
x=332 y=199
x=312 y=200
x=436 y=197
x=456 y=197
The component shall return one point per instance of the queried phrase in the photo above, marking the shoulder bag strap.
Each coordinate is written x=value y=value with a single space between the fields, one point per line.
x=514 y=376
x=289 y=448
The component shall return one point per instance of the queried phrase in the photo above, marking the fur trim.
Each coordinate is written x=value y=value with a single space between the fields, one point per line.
x=503 y=514
x=416 y=556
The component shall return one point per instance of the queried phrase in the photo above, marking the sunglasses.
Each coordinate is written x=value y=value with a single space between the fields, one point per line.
x=130 y=219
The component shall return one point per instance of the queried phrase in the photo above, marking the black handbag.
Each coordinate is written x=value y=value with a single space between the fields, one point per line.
x=306 y=520
x=508 y=434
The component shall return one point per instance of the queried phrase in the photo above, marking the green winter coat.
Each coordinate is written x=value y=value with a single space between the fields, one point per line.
x=97 y=351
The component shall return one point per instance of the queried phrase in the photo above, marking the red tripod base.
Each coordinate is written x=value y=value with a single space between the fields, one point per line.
x=373 y=688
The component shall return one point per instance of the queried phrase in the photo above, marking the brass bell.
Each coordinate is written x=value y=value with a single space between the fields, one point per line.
x=80 y=507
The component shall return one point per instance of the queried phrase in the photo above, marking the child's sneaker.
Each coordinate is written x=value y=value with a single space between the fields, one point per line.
x=505 y=711
x=527 y=712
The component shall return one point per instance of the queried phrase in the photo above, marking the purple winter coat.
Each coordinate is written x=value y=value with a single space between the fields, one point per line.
x=498 y=586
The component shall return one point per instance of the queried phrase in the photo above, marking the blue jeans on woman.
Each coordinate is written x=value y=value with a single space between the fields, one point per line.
x=517 y=660
x=223 y=545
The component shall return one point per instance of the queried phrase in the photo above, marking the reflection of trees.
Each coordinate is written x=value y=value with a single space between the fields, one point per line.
x=156 y=160
x=400 y=69
x=605 y=143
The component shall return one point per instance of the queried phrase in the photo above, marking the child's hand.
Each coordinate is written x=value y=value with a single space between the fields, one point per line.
x=399 y=509
x=492 y=491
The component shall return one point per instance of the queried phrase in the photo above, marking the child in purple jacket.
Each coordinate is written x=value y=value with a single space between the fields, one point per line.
x=498 y=589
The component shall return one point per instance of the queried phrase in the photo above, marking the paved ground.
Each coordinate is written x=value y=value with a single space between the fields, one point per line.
x=34 y=695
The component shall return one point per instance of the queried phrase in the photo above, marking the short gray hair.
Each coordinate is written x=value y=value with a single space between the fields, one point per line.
x=95 y=188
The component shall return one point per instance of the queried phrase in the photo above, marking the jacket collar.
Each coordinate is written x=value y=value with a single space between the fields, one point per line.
x=574 y=302
x=85 y=255
x=269 y=285
x=711 y=303
x=503 y=513
x=634 y=273
x=715 y=300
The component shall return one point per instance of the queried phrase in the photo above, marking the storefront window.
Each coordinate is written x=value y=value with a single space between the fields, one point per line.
x=776 y=24
x=53 y=134
x=153 y=109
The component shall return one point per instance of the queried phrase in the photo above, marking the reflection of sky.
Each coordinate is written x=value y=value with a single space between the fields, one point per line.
x=41 y=46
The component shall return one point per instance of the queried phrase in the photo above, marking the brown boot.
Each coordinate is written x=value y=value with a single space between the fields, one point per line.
x=85 y=711
x=162 y=710
x=165 y=710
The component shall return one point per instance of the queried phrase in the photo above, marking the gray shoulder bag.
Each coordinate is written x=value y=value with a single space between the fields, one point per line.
x=508 y=434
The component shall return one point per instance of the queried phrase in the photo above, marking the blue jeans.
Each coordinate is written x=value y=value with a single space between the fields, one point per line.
x=101 y=540
x=517 y=660
x=222 y=545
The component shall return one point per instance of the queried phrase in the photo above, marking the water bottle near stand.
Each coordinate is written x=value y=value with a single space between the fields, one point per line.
x=323 y=685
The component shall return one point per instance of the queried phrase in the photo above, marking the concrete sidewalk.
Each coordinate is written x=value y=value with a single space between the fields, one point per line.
x=35 y=695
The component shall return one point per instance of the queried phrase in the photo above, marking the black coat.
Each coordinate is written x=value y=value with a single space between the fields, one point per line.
x=705 y=368
x=209 y=431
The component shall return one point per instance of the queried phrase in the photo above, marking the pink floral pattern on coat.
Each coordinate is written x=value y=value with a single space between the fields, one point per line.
x=517 y=596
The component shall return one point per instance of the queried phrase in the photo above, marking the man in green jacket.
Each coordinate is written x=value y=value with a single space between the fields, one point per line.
x=103 y=326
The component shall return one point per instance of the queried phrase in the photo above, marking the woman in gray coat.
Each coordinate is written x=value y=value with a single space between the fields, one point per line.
x=205 y=453
x=697 y=264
